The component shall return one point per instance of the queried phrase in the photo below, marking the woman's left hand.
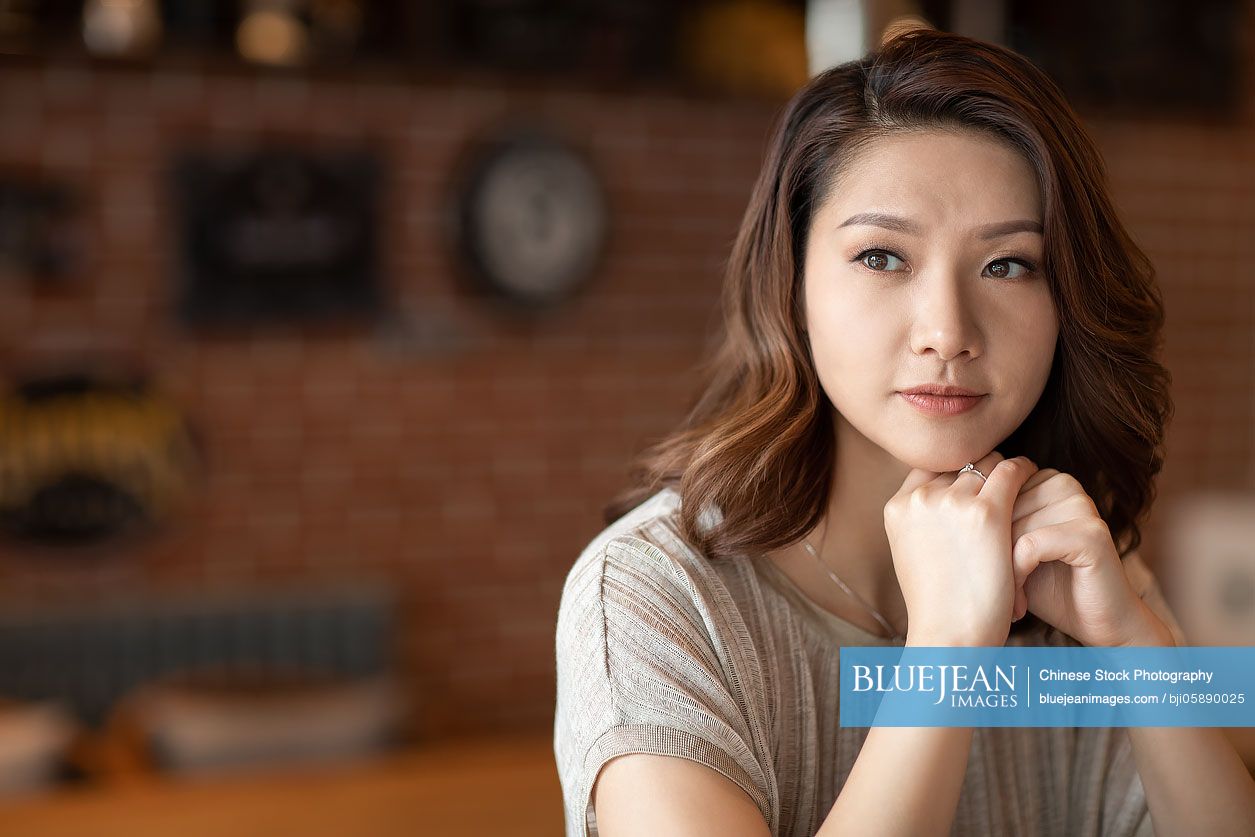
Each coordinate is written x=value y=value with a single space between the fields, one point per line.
x=1067 y=568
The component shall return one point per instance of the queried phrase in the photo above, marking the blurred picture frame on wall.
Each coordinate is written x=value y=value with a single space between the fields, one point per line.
x=276 y=234
x=41 y=239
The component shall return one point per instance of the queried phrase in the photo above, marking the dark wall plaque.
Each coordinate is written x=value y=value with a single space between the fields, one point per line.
x=277 y=235
x=38 y=232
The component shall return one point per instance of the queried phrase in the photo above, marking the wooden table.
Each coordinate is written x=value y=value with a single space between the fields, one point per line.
x=469 y=787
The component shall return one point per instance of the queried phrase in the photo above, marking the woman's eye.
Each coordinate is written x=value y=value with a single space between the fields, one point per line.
x=882 y=261
x=878 y=260
x=1003 y=269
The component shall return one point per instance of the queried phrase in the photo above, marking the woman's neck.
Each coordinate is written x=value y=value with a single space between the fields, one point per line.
x=850 y=539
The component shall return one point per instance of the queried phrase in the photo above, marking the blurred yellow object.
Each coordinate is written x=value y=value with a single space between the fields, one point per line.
x=271 y=32
x=754 y=47
x=131 y=439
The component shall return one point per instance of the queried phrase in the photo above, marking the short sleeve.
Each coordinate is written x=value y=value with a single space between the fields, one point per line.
x=1106 y=793
x=642 y=667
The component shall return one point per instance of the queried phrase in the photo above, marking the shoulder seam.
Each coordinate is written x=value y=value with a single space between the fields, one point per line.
x=605 y=642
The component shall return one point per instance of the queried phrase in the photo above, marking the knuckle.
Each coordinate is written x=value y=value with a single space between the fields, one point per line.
x=893 y=509
x=1014 y=466
x=1082 y=502
x=1049 y=473
x=982 y=510
x=922 y=496
x=898 y=507
x=1070 y=482
x=1098 y=528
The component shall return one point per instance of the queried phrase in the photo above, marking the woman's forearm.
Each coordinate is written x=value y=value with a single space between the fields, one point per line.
x=1194 y=780
x=906 y=781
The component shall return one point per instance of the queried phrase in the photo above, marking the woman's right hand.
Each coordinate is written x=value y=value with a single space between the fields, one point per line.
x=950 y=536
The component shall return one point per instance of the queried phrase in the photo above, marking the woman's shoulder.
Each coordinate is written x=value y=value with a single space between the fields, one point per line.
x=641 y=563
x=651 y=658
x=659 y=506
x=646 y=541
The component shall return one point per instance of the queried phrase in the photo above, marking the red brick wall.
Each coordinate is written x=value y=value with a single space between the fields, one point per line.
x=464 y=459
x=1187 y=192
x=461 y=456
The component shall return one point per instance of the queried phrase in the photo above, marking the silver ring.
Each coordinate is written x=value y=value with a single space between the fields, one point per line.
x=970 y=468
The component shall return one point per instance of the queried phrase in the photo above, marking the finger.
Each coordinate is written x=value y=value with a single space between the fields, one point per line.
x=1038 y=478
x=916 y=478
x=1034 y=494
x=970 y=483
x=1072 y=507
x=1020 y=607
x=1024 y=560
x=1027 y=503
x=1055 y=489
x=1066 y=542
x=1003 y=484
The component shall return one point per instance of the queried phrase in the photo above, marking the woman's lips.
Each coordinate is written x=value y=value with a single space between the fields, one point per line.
x=941 y=405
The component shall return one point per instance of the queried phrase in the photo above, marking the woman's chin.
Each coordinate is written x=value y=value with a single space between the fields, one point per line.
x=938 y=451
x=941 y=461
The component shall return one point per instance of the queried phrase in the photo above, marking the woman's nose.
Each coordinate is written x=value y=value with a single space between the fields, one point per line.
x=944 y=321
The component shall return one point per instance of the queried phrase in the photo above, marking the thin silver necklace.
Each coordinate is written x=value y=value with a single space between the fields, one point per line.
x=884 y=623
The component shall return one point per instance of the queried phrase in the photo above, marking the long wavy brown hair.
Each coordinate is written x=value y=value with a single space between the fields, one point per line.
x=758 y=442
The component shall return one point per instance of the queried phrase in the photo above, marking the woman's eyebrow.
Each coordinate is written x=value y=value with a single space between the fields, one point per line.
x=900 y=224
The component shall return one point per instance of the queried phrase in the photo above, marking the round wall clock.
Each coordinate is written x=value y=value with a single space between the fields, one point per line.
x=530 y=219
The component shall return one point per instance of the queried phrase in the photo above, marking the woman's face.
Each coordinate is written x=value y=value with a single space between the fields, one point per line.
x=931 y=292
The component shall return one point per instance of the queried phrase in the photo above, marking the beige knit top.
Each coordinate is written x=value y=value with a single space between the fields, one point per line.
x=729 y=664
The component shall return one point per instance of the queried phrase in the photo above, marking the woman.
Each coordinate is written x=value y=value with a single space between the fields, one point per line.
x=931 y=218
